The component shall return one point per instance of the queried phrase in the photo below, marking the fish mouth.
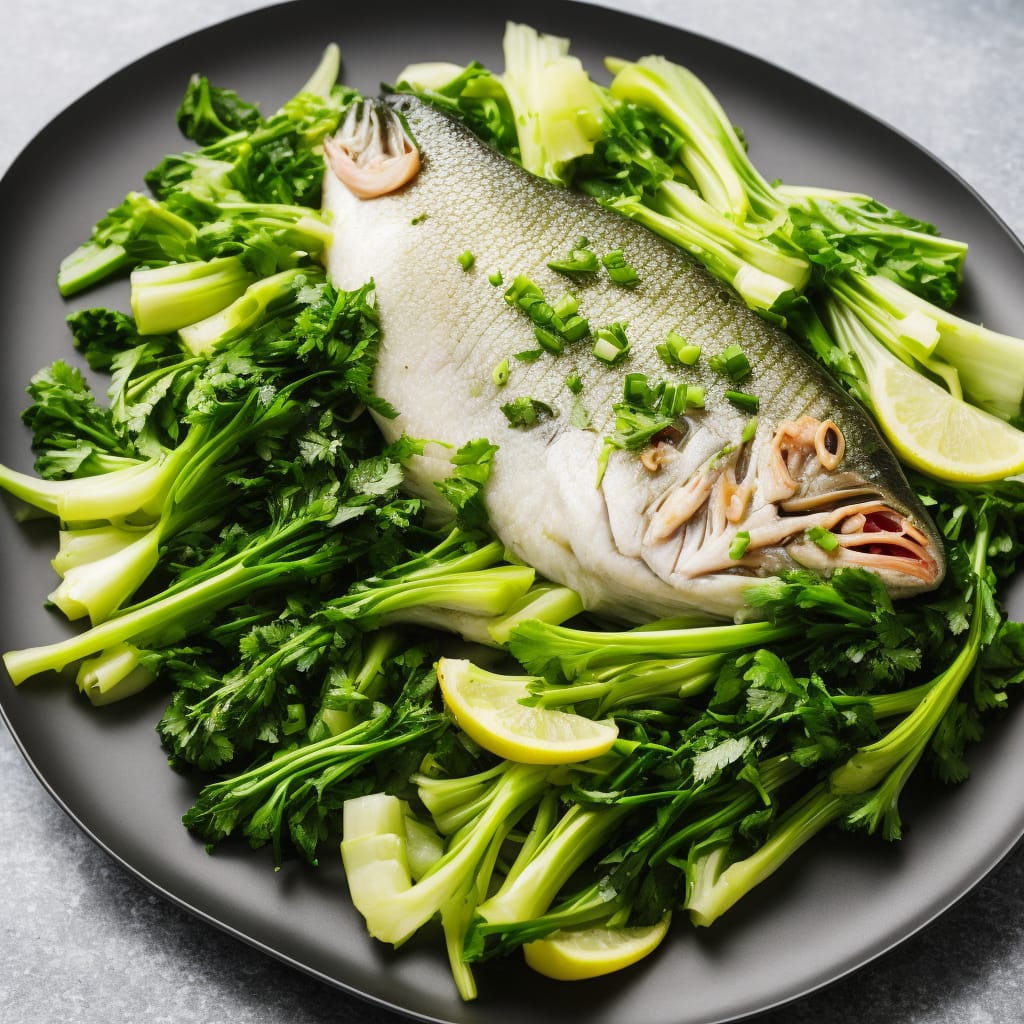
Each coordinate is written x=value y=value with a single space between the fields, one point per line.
x=372 y=153
x=782 y=501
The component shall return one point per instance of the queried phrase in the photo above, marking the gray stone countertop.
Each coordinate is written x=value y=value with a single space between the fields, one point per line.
x=82 y=942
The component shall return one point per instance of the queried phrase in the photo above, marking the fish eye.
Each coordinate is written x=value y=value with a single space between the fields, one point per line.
x=829 y=444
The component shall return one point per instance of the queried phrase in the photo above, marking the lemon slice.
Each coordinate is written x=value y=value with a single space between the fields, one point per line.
x=940 y=434
x=487 y=707
x=575 y=954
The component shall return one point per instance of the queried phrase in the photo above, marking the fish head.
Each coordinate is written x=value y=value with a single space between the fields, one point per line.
x=700 y=505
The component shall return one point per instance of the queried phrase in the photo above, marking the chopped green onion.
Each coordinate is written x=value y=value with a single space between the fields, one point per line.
x=549 y=341
x=825 y=539
x=619 y=270
x=675 y=350
x=561 y=319
x=749 y=430
x=566 y=306
x=732 y=362
x=466 y=259
x=674 y=399
x=611 y=345
x=500 y=373
x=495 y=278
x=540 y=312
x=521 y=290
x=637 y=391
x=743 y=400
x=574 y=382
x=695 y=396
x=573 y=328
x=419 y=218
x=739 y=545
x=581 y=260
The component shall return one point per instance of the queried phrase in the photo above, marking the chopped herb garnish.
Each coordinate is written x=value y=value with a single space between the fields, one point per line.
x=825 y=539
x=732 y=363
x=611 y=344
x=619 y=270
x=637 y=391
x=525 y=411
x=566 y=306
x=419 y=218
x=500 y=373
x=749 y=430
x=561 y=323
x=574 y=382
x=549 y=341
x=496 y=278
x=675 y=350
x=674 y=399
x=466 y=260
x=581 y=260
x=743 y=400
x=695 y=396
x=739 y=544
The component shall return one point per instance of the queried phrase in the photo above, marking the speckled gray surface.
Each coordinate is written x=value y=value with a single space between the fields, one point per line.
x=81 y=942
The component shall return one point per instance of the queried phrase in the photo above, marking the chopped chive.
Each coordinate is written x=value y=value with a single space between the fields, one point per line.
x=739 y=545
x=675 y=350
x=500 y=373
x=573 y=328
x=733 y=363
x=522 y=288
x=611 y=345
x=743 y=400
x=825 y=539
x=695 y=396
x=581 y=260
x=637 y=391
x=619 y=270
x=549 y=341
x=466 y=260
x=674 y=399
x=566 y=306
x=749 y=430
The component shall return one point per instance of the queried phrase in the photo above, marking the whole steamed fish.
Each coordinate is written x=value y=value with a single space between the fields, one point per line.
x=713 y=503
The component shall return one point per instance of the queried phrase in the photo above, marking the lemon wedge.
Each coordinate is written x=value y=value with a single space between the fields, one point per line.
x=487 y=707
x=576 y=954
x=940 y=434
x=929 y=428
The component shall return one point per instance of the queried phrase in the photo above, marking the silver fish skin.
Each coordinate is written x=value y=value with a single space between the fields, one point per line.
x=658 y=535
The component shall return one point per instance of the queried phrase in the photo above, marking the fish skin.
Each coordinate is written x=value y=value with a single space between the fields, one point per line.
x=445 y=328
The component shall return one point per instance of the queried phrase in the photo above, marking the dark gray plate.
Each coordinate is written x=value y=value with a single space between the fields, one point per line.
x=836 y=906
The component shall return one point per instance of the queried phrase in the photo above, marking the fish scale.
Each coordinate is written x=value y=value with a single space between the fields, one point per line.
x=445 y=328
